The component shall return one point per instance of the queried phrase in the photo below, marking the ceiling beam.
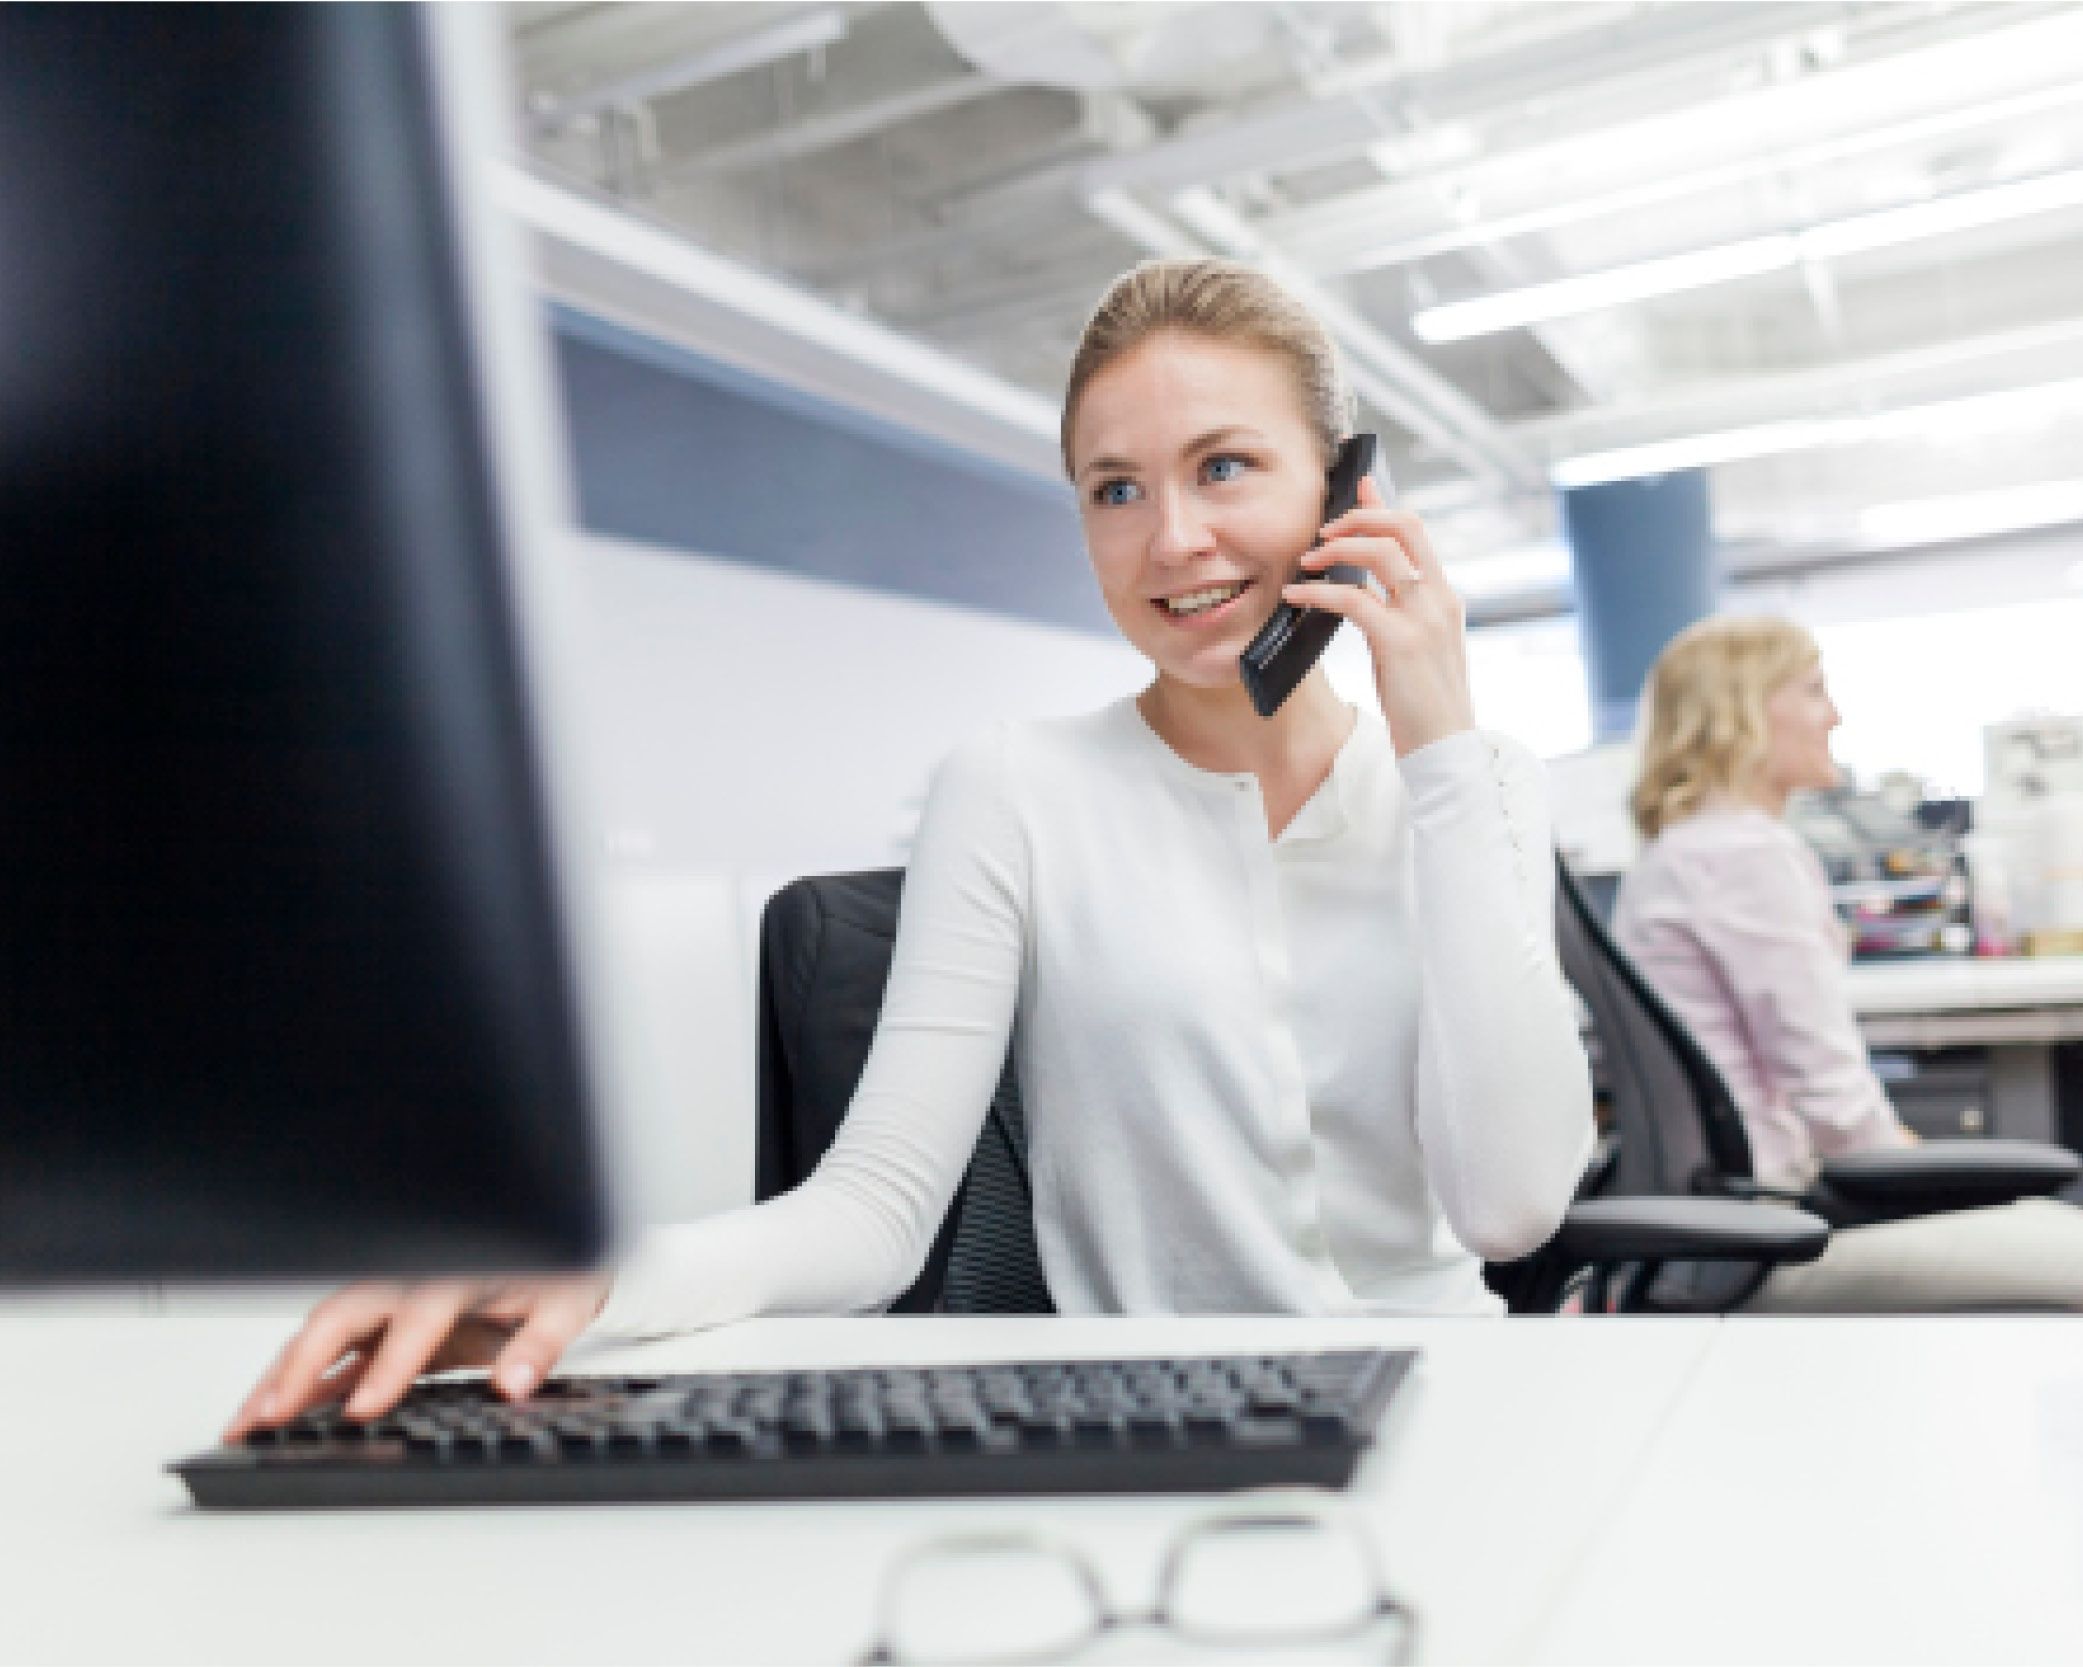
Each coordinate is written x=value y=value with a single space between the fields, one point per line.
x=836 y=128
x=803 y=32
x=1307 y=129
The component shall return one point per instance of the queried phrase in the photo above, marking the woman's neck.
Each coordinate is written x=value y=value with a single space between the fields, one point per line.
x=1757 y=796
x=1219 y=729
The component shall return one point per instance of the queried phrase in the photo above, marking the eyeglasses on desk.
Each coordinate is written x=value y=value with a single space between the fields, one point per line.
x=1268 y=1570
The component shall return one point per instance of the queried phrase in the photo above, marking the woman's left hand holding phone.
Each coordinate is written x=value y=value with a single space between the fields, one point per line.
x=1415 y=626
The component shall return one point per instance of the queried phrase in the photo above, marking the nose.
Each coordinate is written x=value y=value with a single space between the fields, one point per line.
x=1181 y=531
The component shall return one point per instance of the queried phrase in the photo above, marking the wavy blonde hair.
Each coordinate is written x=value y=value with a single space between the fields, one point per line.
x=1224 y=301
x=1703 y=728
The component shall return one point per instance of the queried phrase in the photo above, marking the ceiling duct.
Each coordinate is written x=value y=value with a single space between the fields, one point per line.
x=1134 y=45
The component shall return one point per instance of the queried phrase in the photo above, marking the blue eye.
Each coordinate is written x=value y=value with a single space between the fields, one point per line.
x=1237 y=464
x=1113 y=491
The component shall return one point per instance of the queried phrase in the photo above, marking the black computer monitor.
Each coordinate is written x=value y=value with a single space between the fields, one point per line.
x=294 y=965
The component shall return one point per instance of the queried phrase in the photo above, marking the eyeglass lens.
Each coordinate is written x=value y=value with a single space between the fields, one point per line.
x=1269 y=1579
x=990 y=1604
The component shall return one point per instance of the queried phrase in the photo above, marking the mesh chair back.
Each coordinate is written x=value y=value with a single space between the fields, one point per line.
x=825 y=944
x=1678 y=1126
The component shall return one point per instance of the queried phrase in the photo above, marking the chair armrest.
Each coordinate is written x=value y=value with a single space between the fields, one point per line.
x=1745 y=1187
x=1943 y=1175
x=1608 y=1230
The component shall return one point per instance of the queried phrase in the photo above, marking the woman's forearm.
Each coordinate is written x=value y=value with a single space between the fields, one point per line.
x=1504 y=1089
x=829 y=1247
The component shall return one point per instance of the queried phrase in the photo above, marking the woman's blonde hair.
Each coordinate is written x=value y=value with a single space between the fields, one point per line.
x=1703 y=714
x=1224 y=301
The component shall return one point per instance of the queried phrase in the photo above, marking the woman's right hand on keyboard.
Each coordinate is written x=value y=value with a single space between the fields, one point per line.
x=368 y=1342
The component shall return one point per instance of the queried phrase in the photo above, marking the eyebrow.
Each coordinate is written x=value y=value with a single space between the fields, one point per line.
x=1200 y=442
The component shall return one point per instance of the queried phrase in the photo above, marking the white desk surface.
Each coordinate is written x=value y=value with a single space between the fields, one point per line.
x=1500 y=1467
x=1852 y=1491
x=1755 y=1490
x=1943 y=984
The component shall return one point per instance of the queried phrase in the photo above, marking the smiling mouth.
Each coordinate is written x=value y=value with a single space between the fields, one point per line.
x=1205 y=603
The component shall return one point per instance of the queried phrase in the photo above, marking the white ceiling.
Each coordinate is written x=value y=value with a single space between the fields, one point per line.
x=973 y=175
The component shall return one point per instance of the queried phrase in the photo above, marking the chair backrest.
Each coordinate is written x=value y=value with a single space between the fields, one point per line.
x=1678 y=1127
x=825 y=944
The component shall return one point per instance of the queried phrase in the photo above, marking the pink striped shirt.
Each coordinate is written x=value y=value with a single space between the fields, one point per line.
x=1728 y=915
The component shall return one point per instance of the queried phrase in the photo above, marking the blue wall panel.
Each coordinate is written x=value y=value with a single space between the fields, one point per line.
x=1643 y=558
x=675 y=449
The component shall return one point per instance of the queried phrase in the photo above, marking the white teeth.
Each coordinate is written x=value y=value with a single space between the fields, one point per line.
x=1200 y=600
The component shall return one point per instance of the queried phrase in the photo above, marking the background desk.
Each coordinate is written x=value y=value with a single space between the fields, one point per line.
x=2019 y=1010
x=1503 y=1460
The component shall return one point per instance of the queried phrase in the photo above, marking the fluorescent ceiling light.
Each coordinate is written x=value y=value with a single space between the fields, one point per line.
x=1979 y=414
x=1513 y=308
x=671 y=260
x=1943 y=418
x=1973 y=514
x=1700 y=451
x=1962 y=211
x=1729 y=262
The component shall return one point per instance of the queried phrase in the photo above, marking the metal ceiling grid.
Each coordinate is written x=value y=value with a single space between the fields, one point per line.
x=1829 y=212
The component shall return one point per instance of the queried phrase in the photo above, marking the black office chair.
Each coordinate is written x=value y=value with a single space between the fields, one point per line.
x=824 y=958
x=825 y=945
x=1679 y=1133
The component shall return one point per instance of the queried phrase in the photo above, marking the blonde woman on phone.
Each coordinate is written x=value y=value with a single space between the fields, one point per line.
x=1728 y=913
x=1281 y=993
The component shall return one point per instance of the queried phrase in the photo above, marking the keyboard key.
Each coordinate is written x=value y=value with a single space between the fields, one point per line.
x=729 y=1440
x=906 y=1438
x=957 y=1436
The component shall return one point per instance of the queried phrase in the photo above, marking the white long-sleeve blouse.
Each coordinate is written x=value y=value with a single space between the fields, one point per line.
x=1318 y=1074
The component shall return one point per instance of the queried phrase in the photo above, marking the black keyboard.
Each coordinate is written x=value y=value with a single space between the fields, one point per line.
x=1190 y=1425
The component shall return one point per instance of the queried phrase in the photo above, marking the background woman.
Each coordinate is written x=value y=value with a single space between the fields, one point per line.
x=1281 y=993
x=1727 y=911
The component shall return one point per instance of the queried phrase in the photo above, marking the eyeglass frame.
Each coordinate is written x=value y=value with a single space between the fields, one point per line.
x=1250 y=1508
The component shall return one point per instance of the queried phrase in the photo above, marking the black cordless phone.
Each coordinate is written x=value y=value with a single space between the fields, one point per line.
x=1280 y=656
